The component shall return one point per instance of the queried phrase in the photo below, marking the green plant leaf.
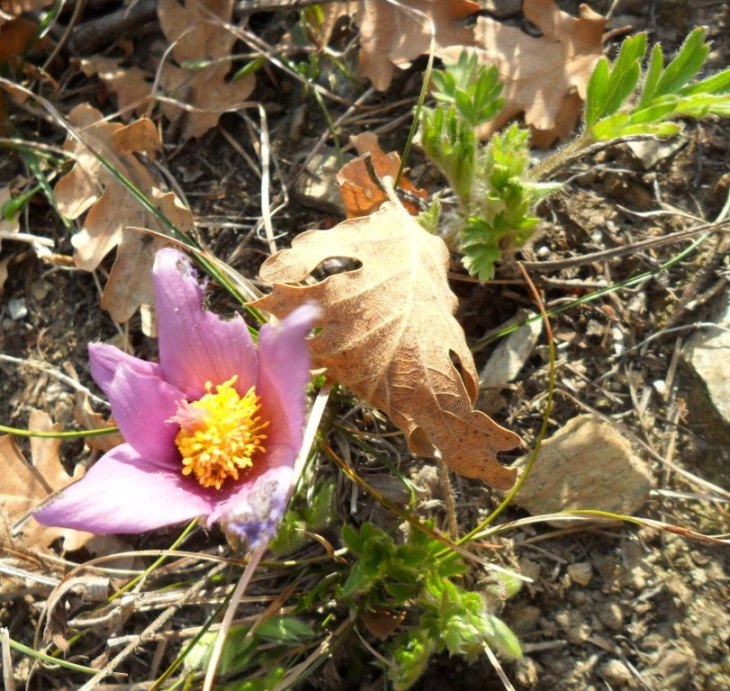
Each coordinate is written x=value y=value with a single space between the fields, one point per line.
x=596 y=92
x=285 y=630
x=503 y=639
x=686 y=64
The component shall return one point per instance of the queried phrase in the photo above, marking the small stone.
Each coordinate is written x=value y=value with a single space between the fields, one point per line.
x=581 y=573
x=317 y=183
x=611 y=615
x=578 y=635
x=651 y=151
x=526 y=673
x=676 y=667
x=523 y=619
x=615 y=672
x=707 y=354
x=510 y=355
x=39 y=289
x=586 y=463
x=636 y=578
x=562 y=619
x=17 y=308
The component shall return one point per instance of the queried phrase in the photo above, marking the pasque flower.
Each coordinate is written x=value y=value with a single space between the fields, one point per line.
x=211 y=431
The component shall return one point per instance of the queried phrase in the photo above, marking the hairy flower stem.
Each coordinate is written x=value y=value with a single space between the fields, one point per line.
x=561 y=157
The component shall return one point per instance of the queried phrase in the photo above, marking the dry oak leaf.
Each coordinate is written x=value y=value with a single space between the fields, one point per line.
x=25 y=486
x=360 y=193
x=545 y=77
x=389 y=334
x=88 y=418
x=131 y=85
x=198 y=33
x=394 y=34
x=112 y=209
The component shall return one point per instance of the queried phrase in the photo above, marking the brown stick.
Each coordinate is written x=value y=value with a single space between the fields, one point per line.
x=89 y=36
x=559 y=264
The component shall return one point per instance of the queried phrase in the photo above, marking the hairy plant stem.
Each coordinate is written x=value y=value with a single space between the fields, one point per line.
x=561 y=157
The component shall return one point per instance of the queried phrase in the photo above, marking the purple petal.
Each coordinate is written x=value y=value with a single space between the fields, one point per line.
x=283 y=376
x=254 y=510
x=142 y=402
x=105 y=359
x=196 y=345
x=124 y=493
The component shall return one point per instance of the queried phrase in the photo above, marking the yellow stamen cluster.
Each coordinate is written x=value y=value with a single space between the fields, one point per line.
x=220 y=434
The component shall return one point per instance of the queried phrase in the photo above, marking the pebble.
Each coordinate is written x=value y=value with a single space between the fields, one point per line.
x=587 y=462
x=524 y=619
x=611 y=616
x=39 y=289
x=707 y=354
x=581 y=573
x=579 y=634
x=17 y=308
x=615 y=672
x=526 y=673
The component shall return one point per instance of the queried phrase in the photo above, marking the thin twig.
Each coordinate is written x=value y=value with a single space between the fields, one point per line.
x=603 y=255
x=155 y=626
x=266 y=181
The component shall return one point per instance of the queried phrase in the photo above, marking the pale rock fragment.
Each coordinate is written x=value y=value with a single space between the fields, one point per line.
x=510 y=355
x=316 y=184
x=708 y=353
x=587 y=464
x=581 y=573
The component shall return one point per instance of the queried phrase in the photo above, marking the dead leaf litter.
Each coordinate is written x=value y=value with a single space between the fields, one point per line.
x=609 y=605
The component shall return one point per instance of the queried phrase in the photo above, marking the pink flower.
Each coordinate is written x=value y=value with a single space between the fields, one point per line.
x=211 y=431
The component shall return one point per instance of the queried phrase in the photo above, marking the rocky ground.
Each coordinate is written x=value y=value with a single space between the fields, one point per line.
x=611 y=605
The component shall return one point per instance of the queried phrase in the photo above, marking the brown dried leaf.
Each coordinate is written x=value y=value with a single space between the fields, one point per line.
x=88 y=418
x=25 y=486
x=112 y=208
x=389 y=334
x=360 y=192
x=132 y=85
x=382 y=622
x=198 y=34
x=393 y=35
x=545 y=78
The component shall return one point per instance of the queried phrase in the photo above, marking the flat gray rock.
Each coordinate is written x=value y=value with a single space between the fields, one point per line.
x=587 y=464
x=708 y=354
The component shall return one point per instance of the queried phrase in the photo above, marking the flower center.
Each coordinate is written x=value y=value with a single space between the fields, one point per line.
x=220 y=433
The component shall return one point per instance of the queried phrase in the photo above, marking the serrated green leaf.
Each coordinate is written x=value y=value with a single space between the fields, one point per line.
x=443 y=84
x=429 y=219
x=351 y=539
x=411 y=659
x=717 y=83
x=503 y=639
x=702 y=105
x=654 y=113
x=688 y=61
x=464 y=105
x=610 y=127
x=250 y=68
x=651 y=79
x=622 y=88
x=285 y=629
x=596 y=92
x=660 y=129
